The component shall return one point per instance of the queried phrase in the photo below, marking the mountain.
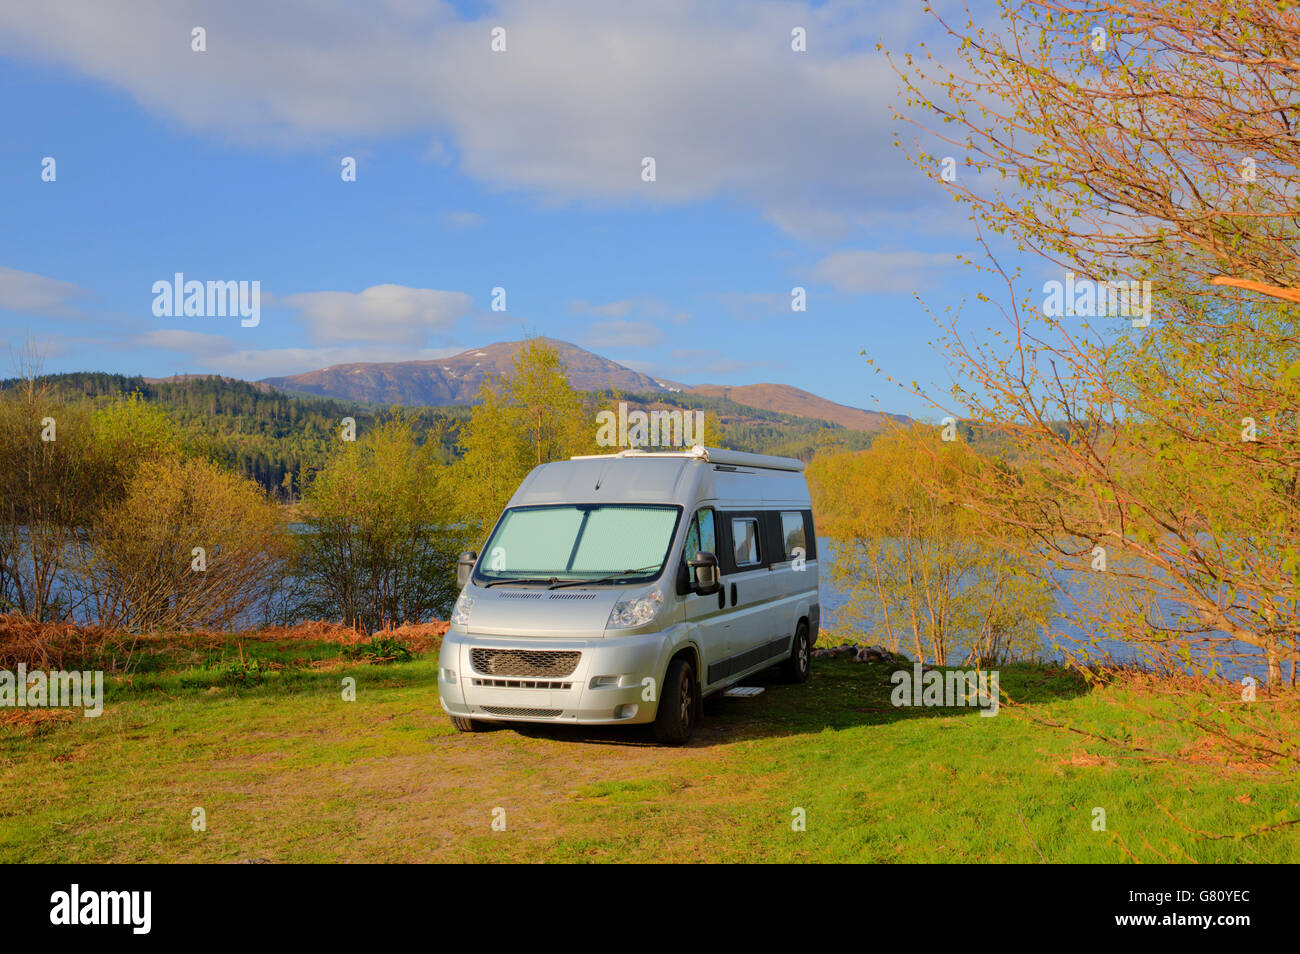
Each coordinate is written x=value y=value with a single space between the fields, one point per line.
x=456 y=380
x=792 y=401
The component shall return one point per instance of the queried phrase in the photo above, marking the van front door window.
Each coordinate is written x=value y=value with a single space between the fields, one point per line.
x=701 y=535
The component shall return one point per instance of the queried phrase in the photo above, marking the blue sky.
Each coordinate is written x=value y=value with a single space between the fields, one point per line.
x=475 y=169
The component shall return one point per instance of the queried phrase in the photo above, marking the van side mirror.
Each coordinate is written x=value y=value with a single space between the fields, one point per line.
x=465 y=566
x=704 y=573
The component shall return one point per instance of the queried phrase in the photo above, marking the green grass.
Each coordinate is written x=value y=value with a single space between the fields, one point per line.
x=286 y=770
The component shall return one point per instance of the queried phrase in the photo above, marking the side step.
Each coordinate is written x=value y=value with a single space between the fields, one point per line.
x=744 y=692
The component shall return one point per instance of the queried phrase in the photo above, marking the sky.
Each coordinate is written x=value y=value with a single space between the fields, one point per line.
x=476 y=169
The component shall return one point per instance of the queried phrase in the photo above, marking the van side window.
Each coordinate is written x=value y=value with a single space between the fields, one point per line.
x=744 y=540
x=701 y=535
x=810 y=534
x=792 y=532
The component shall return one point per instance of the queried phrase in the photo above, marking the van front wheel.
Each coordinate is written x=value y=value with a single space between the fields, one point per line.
x=800 y=661
x=467 y=725
x=679 y=704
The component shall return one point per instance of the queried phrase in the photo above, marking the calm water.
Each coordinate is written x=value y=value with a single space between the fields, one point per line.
x=1065 y=636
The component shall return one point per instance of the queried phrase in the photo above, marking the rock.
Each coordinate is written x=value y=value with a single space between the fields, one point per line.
x=836 y=652
x=862 y=654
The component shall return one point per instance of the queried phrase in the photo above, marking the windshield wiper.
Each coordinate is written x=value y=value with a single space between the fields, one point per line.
x=555 y=585
x=522 y=579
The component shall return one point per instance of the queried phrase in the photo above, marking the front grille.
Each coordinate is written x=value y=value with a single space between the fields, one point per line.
x=522 y=713
x=523 y=684
x=537 y=663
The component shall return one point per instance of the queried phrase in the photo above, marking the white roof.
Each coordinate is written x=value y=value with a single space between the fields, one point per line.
x=715 y=455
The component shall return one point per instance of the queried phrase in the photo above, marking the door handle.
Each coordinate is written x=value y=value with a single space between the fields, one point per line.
x=733 y=594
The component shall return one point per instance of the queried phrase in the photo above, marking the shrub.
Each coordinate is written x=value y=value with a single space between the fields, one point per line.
x=188 y=546
x=380 y=542
x=381 y=649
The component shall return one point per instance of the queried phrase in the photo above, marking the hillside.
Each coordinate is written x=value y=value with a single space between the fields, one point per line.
x=280 y=438
x=264 y=434
x=457 y=379
x=787 y=400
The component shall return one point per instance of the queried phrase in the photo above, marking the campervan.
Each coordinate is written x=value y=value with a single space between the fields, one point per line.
x=626 y=588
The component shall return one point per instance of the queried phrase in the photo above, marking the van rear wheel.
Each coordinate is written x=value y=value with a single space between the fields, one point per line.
x=679 y=705
x=796 y=668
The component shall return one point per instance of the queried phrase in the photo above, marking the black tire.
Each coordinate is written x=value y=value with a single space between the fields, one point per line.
x=797 y=667
x=679 y=704
x=467 y=725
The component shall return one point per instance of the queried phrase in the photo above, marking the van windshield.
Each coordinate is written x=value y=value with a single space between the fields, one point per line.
x=580 y=542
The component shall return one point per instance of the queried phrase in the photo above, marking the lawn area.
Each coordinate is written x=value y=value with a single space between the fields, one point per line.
x=287 y=771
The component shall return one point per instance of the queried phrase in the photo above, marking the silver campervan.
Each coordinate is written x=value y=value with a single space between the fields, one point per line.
x=626 y=588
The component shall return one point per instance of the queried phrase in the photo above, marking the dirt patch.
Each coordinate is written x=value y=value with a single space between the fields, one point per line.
x=431 y=804
x=1087 y=759
x=34 y=718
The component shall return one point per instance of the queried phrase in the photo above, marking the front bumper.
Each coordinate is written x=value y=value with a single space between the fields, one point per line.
x=586 y=696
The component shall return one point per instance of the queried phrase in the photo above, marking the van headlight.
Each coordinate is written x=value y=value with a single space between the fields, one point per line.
x=460 y=612
x=636 y=611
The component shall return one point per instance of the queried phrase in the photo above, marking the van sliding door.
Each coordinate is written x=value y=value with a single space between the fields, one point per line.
x=750 y=588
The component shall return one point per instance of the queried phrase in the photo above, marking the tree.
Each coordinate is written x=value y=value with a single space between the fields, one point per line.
x=527 y=418
x=188 y=546
x=381 y=532
x=930 y=574
x=61 y=464
x=1153 y=142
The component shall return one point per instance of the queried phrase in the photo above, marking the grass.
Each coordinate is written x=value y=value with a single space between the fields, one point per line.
x=285 y=770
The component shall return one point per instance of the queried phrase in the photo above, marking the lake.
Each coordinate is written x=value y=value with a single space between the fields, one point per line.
x=1066 y=637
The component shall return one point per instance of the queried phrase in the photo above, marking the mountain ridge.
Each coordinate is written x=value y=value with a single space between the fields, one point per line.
x=456 y=379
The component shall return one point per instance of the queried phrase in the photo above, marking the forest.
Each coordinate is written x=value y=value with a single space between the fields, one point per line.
x=281 y=439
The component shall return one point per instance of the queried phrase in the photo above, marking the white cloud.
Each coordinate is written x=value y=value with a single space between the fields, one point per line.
x=612 y=309
x=585 y=89
x=38 y=295
x=382 y=313
x=693 y=362
x=621 y=333
x=194 y=343
x=651 y=307
x=462 y=219
x=860 y=271
x=756 y=304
